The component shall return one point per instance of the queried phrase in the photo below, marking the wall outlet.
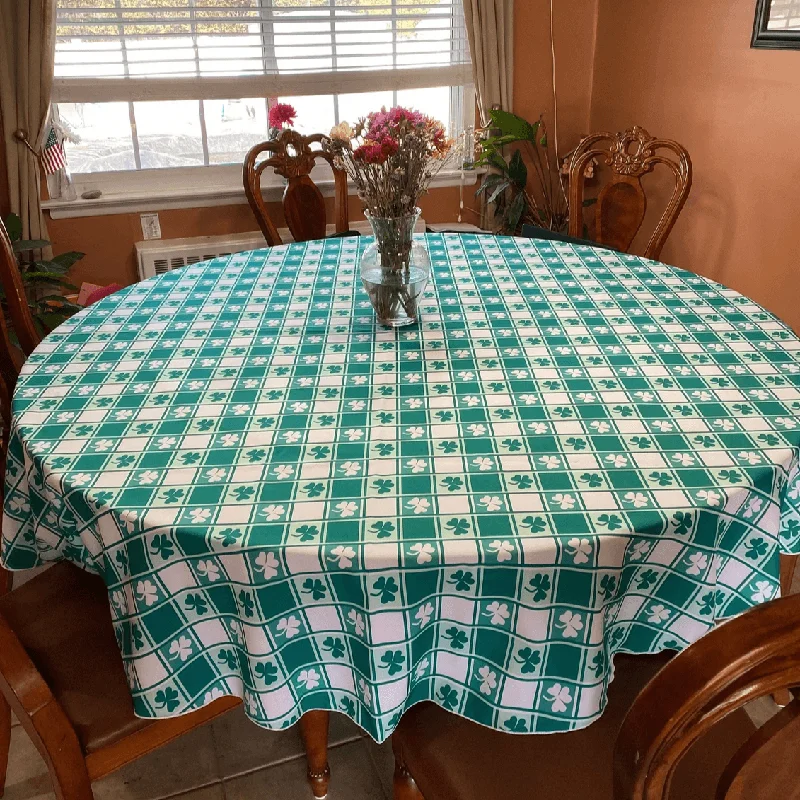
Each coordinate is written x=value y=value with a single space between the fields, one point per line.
x=151 y=227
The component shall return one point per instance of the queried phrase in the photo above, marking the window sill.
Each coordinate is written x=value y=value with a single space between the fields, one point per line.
x=165 y=197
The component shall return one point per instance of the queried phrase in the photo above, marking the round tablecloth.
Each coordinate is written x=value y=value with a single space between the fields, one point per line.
x=576 y=453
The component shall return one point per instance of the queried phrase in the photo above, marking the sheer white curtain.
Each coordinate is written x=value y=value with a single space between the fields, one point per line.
x=27 y=43
x=490 y=28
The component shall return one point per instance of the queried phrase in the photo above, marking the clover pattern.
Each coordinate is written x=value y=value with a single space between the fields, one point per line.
x=287 y=502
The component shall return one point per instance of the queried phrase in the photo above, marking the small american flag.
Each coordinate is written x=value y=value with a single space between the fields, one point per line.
x=53 y=158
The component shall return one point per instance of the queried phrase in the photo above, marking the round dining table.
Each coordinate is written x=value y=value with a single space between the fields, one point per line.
x=574 y=453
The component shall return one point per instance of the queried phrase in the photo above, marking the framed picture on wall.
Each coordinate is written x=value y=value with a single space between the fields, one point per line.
x=777 y=24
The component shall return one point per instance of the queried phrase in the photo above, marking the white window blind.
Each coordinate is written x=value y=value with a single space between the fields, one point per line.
x=129 y=50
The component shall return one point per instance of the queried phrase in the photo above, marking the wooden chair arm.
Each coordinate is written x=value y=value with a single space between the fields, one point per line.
x=40 y=714
x=748 y=657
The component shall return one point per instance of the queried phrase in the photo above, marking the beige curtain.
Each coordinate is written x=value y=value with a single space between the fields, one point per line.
x=490 y=28
x=27 y=52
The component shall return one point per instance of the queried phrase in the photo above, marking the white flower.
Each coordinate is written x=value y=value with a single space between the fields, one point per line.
x=80 y=479
x=491 y=503
x=640 y=549
x=298 y=408
x=710 y=498
x=347 y=508
x=148 y=477
x=488 y=680
x=698 y=562
x=290 y=437
x=559 y=696
x=424 y=614
x=354 y=434
x=422 y=668
x=181 y=648
x=241 y=409
x=199 y=515
x=764 y=591
x=529 y=399
x=343 y=555
x=601 y=427
x=289 y=626
x=350 y=468
x=213 y=695
x=357 y=621
x=566 y=501
x=267 y=564
x=550 y=462
x=538 y=428
x=424 y=552
x=103 y=445
x=503 y=549
x=365 y=691
x=580 y=550
x=477 y=430
x=616 y=461
x=663 y=425
x=129 y=518
x=750 y=457
x=725 y=424
x=120 y=601
x=209 y=570
x=637 y=499
x=684 y=459
x=283 y=471
x=310 y=677
x=417 y=464
x=416 y=432
x=471 y=400
x=147 y=592
x=357 y=405
x=497 y=613
x=419 y=504
x=272 y=512
x=414 y=402
x=571 y=624
x=658 y=614
x=753 y=507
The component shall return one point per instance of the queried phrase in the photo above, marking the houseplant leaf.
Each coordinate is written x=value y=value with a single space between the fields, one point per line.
x=517 y=170
x=512 y=125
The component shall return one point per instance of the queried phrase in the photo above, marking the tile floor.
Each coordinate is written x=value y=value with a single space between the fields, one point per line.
x=229 y=759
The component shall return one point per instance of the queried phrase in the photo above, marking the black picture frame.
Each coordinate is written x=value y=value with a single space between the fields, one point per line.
x=772 y=40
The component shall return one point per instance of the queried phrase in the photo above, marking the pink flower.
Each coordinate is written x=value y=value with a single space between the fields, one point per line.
x=281 y=114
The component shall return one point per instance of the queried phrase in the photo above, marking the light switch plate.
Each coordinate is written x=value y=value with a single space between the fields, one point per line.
x=151 y=227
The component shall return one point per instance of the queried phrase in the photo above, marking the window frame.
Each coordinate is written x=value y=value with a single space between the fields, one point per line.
x=764 y=38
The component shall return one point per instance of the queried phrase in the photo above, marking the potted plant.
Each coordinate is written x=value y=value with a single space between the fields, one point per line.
x=42 y=278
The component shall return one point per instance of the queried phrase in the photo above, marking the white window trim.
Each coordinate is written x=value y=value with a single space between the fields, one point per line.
x=128 y=192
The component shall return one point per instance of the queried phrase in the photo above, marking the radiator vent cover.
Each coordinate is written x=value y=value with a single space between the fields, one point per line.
x=163 y=255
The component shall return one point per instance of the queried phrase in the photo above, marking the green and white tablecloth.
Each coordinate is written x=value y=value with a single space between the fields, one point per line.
x=576 y=453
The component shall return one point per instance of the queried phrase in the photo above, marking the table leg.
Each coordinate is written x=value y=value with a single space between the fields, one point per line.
x=314 y=730
x=788 y=564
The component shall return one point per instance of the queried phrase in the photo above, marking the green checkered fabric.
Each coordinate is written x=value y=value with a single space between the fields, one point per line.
x=576 y=453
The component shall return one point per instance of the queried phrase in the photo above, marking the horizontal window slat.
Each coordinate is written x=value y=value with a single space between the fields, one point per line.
x=118 y=89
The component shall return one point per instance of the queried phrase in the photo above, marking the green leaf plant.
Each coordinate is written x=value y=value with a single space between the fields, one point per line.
x=43 y=279
x=506 y=183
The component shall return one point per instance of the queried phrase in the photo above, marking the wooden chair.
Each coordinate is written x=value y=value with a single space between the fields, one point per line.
x=17 y=301
x=685 y=730
x=621 y=204
x=303 y=204
x=60 y=667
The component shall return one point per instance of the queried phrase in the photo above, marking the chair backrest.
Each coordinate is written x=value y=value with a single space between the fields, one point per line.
x=303 y=203
x=751 y=656
x=17 y=301
x=621 y=204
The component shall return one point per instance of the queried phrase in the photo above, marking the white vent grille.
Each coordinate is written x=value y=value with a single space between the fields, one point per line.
x=163 y=255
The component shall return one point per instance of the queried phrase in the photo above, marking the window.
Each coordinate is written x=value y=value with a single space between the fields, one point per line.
x=777 y=24
x=157 y=84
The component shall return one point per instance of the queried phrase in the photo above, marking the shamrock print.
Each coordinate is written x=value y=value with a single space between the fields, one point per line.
x=267 y=564
x=423 y=615
x=357 y=621
x=559 y=697
x=579 y=549
x=181 y=648
x=516 y=725
x=658 y=614
x=167 y=699
x=756 y=548
x=570 y=624
x=289 y=626
x=309 y=679
x=458 y=639
x=497 y=613
x=458 y=527
x=448 y=697
x=385 y=589
x=423 y=552
x=504 y=550
x=528 y=659
x=462 y=580
x=334 y=646
x=314 y=587
x=488 y=680
x=393 y=661
x=383 y=529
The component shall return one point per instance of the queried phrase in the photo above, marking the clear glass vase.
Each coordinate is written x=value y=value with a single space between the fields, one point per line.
x=395 y=269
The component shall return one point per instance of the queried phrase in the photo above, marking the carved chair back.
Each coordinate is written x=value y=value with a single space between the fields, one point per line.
x=303 y=204
x=752 y=656
x=622 y=203
x=17 y=301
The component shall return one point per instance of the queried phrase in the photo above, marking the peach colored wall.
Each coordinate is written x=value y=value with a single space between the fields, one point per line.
x=684 y=69
x=574 y=25
x=109 y=241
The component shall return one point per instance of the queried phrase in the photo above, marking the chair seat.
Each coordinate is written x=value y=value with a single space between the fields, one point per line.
x=63 y=620
x=451 y=758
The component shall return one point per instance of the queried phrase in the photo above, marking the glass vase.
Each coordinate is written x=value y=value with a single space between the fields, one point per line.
x=395 y=269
